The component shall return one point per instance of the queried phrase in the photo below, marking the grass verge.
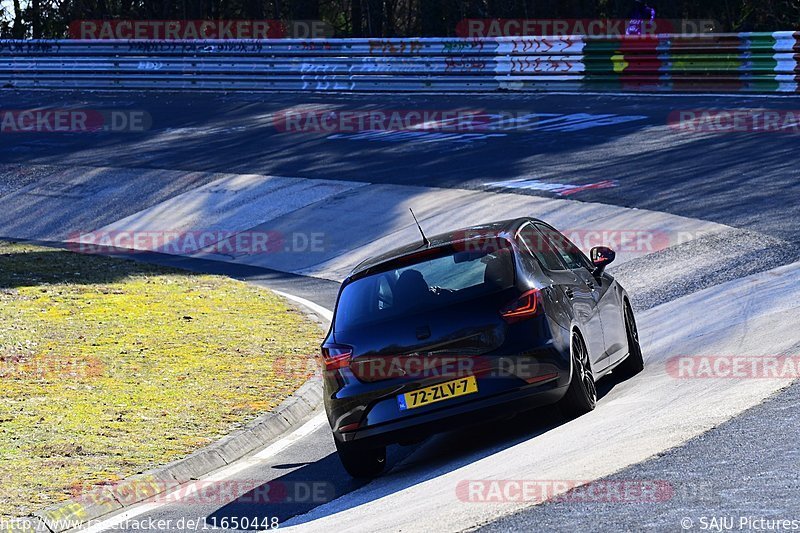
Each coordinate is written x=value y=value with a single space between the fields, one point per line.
x=109 y=367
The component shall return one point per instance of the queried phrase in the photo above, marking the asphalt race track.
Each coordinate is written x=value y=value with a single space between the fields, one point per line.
x=722 y=446
x=747 y=180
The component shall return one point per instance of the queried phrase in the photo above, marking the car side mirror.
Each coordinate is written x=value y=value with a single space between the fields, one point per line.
x=601 y=257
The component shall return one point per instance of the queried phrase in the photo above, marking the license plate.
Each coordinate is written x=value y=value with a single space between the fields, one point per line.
x=438 y=393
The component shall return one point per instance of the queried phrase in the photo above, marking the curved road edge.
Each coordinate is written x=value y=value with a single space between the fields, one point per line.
x=655 y=411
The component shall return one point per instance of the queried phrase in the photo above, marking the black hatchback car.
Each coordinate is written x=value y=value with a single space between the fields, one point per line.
x=468 y=326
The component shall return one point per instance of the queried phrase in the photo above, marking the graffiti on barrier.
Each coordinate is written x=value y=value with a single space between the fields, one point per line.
x=462 y=46
x=184 y=47
x=320 y=45
x=29 y=47
x=543 y=65
x=463 y=64
x=150 y=65
x=541 y=46
x=394 y=46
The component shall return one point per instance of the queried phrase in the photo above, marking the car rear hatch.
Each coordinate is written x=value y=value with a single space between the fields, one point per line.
x=427 y=317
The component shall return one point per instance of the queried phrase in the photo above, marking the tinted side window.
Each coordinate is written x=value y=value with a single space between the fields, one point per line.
x=569 y=253
x=538 y=246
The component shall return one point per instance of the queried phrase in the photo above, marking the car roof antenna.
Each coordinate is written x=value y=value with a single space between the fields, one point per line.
x=424 y=238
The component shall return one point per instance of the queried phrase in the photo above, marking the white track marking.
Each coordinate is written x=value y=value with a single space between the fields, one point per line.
x=303 y=431
x=269 y=452
x=321 y=311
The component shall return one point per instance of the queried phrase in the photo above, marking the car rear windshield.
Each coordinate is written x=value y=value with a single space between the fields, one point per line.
x=443 y=277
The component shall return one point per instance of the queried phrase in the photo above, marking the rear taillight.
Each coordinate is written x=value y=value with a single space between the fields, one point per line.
x=524 y=307
x=336 y=356
x=350 y=427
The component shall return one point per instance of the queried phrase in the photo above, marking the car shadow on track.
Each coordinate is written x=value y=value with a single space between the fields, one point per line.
x=291 y=494
x=316 y=483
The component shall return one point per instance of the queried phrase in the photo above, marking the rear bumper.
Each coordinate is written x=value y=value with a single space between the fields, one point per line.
x=463 y=414
x=508 y=382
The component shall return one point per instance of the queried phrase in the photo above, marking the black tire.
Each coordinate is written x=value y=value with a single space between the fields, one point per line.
x=634 y=363
x=362 y=463
x=581 y=396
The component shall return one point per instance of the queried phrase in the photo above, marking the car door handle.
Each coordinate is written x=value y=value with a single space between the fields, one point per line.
x=569 y=293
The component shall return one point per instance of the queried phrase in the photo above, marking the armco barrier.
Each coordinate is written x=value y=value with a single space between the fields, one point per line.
x=754 y=62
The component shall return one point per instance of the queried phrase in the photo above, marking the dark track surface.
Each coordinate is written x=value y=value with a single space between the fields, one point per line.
x=748 y=180
x=747 y=467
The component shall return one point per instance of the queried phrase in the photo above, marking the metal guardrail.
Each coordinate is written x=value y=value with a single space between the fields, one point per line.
x=760 y=62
